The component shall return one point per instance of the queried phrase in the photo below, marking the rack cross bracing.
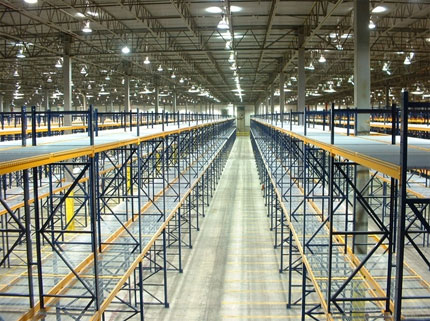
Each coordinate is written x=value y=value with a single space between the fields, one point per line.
x=113 y=215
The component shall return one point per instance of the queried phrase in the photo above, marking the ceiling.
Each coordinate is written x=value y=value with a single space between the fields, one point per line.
x=182 y=37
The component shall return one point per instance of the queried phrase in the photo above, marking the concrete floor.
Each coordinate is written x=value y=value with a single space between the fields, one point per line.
x=233 y=270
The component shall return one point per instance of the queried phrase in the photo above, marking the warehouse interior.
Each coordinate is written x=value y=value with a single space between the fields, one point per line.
x=215 y=160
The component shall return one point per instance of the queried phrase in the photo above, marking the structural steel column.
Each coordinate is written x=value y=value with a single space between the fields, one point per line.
x=157 y=99
x=127 y=106
x=267 y=105
x=174 y=101
x=186 y=106
x=362 y=101
x=301 y=79
x=272 y=98
x=46 y=99
x=281 y=95
x=67 y=81
x=362 y=64
x=387 y=96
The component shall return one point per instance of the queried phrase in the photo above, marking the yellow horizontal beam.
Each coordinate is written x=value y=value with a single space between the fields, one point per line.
x=387 y=168
x=49 y=158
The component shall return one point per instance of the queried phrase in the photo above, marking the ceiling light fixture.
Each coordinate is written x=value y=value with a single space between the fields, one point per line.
x=103 y=92
x=59 y=64
x=20 y=54
x=418 y=91
x=235 y=9
x=231 y=58
x=49 y=79
x=372 y=25
x=322 y=59
x=223 y=24
x=181 y=80
x=87 y=28
x=125 y=50
x=407 y=61
x=16 y=74
x=83 y=71
x=379 y=9
x=385 y=66
x=30 y=1
x=213 y=10
x=311 y=66
x=330 y=89
x=147 y=62
x=160 y=69
x=173 y=76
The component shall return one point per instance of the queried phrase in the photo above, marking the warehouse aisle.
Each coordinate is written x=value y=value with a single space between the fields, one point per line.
x=232 y=272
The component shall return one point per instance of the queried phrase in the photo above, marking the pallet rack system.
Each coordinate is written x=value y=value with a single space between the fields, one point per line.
x=316 y=185
x=90 y=225
x=48 y=123
x=382 y=121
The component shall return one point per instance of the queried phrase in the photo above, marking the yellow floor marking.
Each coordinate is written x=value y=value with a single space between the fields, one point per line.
x=253 y=281
x=261 y=291
x=255 y=263
x=259 y=317
x=253 y=303
x=253 y=271
x=252 y=255
x=249 y=242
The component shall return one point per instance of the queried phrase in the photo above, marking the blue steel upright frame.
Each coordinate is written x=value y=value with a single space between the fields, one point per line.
x=135 y=207
x=311 y=196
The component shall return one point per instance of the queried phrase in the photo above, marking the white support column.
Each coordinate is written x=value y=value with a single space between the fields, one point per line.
x=174 y=109
x=186 y=106
x=1 y=103
x=362 y=101
x=272 y=98
x=387 y=96
x=157 y=99
x=84 y=102
x=67 y=82
x=362 y=64
x=47 y=99
x=301 y=79
x=267 y=105
x=281 y=94
x=127 y=104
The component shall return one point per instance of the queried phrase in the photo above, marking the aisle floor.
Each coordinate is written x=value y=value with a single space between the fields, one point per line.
x=232 y=273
